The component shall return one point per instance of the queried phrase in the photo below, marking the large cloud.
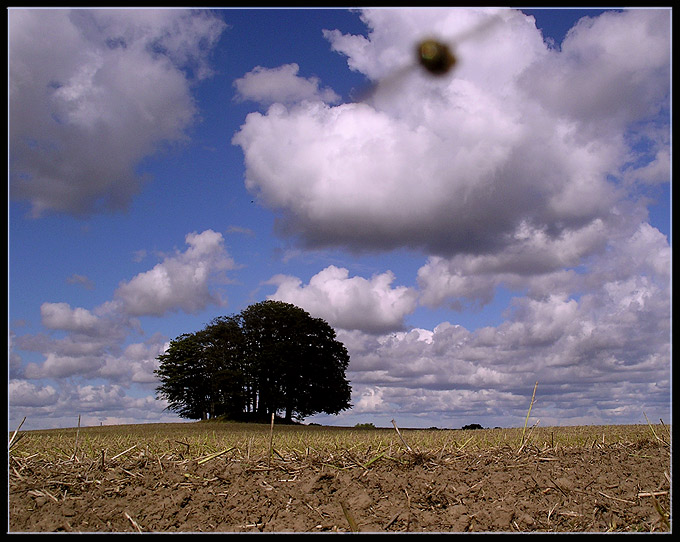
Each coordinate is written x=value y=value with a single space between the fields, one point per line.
x=94 y=91
x=466 y=164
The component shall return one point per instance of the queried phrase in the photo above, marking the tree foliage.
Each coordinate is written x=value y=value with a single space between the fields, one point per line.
x=273 y=357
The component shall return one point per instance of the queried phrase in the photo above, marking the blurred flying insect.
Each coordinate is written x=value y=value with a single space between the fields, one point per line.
x=435 y=56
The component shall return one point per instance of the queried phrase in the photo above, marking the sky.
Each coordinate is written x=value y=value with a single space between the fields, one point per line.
x=467 y=235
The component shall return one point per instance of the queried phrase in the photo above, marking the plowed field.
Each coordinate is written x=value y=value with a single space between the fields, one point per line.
x=368 y=481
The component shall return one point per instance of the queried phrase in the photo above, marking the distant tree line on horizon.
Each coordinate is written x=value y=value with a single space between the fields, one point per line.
x=271 y=358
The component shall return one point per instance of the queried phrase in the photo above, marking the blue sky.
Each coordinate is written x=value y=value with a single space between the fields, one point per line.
x=466 y=235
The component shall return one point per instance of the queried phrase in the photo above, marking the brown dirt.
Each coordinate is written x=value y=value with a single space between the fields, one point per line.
x=618 y=487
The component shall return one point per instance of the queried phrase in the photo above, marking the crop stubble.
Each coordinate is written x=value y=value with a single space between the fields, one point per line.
x=210 y=477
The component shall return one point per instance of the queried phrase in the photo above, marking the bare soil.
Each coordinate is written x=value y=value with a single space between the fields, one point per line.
x=617 y=487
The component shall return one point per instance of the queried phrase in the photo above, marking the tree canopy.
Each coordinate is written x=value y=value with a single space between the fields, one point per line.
x=271 y=358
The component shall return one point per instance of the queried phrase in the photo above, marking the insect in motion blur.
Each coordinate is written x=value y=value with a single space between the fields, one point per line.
x=436 y=56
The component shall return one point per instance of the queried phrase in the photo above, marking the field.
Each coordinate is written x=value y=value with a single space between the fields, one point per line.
x=228 y=477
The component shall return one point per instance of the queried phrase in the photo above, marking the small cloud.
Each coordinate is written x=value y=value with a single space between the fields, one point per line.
x=348 y=302
x=138 y=255
x=281 y=85
x=61 y=316
x=181 y=281
x=82 y=280
x=26 y=394
x=241 y=229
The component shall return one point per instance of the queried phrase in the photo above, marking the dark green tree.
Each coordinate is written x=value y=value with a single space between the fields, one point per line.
x=324 y=361
x=184 y=380
x=222 y=343
x=201 y=374
x=298 y=363
x=271 y=358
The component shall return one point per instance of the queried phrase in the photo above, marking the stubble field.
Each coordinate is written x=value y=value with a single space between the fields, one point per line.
x=229 y=477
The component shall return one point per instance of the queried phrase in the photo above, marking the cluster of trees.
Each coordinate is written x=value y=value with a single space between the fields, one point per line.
x=271 y=358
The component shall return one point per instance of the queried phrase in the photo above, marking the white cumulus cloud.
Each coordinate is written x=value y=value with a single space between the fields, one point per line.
x=91 y=93
x=348 y=302
x=62 y=316
x=92 y=343
x=26 y=394
x=616 y=337
x=282 y=85
x=463 y=164
x=180 y=282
